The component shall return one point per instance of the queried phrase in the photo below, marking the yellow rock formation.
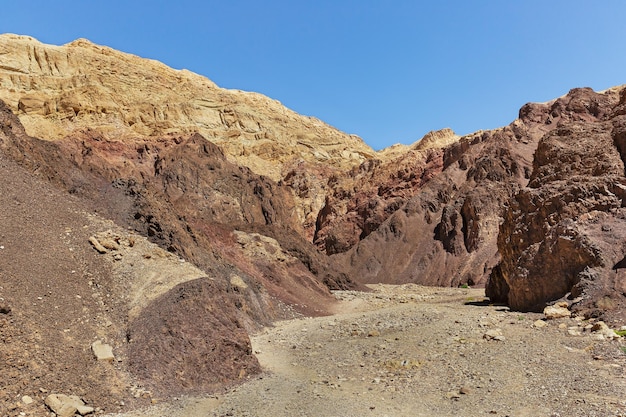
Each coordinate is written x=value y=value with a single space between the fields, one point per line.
x=59 y=90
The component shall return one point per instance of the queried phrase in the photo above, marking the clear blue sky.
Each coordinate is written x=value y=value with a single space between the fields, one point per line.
x=388 y=71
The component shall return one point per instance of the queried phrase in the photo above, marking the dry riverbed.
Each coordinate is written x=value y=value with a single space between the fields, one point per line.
x=421 y=351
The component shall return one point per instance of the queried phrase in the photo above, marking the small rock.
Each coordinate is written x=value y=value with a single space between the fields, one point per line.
x=97 y=246
x=465 y=390
x=453 y=395
x=373 y=333
x=573 y=331
x=540 y=324
x=103 y=352
x=557 y=311
x=67 y=405
x=4 y=309
x=27 y=399
x=494 y=334
x=600 y=328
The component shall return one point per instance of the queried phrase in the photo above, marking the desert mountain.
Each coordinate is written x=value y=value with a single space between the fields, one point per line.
x=62 y=90
x=190 y=216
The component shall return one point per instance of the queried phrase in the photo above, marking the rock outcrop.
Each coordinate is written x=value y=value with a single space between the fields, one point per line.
x=359 y=201
x=83 y=89
x=445 y=233
x=554 y=179
x=62 y=90
x=564 y=234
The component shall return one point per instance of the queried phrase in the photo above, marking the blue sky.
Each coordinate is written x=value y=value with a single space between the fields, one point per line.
x=388 y=71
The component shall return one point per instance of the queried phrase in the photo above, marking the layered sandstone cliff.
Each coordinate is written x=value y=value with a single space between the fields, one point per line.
x=60 y=90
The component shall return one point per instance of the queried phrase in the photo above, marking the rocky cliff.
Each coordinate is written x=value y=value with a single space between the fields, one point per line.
x=82 y=88
x=61 y=90
x=564 y=234
x=532 y=210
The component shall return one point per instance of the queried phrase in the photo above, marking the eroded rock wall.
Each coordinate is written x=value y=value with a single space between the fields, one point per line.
x=563 y=235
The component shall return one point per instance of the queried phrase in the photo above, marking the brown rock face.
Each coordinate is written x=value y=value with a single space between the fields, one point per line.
x=564 y=233
x=360 y=200
x=445 y=233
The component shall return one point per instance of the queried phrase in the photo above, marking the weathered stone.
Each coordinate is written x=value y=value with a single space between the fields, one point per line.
x=67 y=405
x=601 y=328
x=494 y=334
x=540 y=324
x=102 y=352
x=96 y=244
x=564 y=232
x=27 y=399
x=556 y=312
x=574 y=331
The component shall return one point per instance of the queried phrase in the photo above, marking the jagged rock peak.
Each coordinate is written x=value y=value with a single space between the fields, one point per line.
x=435 y=139
x=57 y=91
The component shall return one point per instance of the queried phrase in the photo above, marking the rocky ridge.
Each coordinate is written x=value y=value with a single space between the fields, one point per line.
x=62 y=90
x=81 y=88
x=490 y=177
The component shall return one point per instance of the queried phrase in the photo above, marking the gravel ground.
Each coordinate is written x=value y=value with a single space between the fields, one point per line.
x=422 y=351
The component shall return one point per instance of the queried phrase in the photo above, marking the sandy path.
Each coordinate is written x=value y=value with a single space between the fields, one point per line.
x=418 y=351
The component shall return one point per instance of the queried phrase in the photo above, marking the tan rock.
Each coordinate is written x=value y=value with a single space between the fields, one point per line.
x=556 y=312
x=540 y=324
x=67 y=405
x=102 y=352
x=494 y=334
x=97 y=245
x=600 y=328
x=82 y=85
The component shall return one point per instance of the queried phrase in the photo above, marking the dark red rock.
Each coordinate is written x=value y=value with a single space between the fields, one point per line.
x=564 y=233
x=445 y=233
x=189 y=341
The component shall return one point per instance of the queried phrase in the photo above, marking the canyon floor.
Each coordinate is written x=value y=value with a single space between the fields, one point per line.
x=422 y=351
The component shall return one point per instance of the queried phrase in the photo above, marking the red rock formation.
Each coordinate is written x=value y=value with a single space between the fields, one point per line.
x=359 y=202
x=565 y=232
x=445 y=233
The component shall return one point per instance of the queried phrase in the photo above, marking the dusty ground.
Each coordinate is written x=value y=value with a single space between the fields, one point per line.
x=420 y=351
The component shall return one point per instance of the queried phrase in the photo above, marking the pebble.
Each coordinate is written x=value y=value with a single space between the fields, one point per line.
x=494 y=334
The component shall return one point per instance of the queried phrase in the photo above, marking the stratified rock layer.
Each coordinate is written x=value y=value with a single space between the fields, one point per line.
x=61 y=90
